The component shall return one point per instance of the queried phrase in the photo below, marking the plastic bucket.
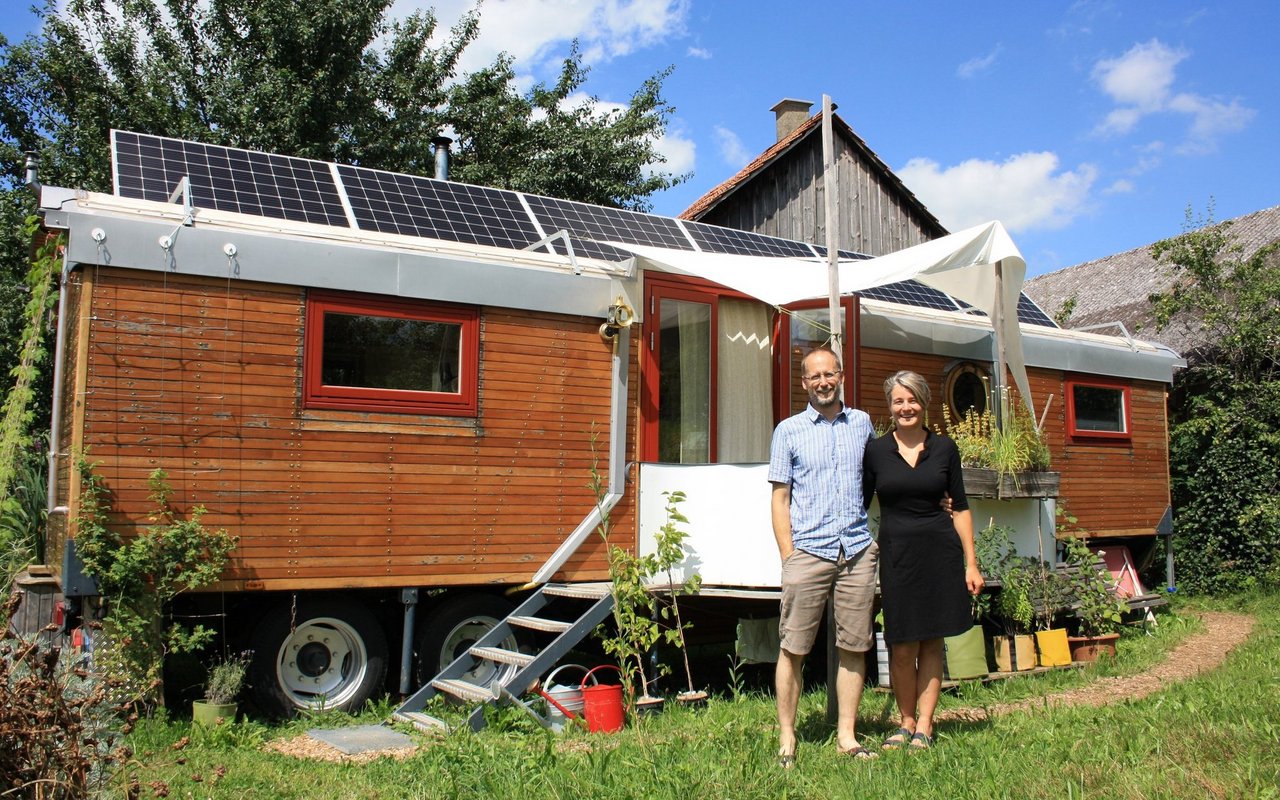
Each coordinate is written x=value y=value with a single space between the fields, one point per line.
x=602 y=704
x=563 y=702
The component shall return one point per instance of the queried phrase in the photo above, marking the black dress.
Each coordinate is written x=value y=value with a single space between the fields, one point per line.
x=922 y=586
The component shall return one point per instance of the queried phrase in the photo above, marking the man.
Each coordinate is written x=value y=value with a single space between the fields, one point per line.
x=815 y=467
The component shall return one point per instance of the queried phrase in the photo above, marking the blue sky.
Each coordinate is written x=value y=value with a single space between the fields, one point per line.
x=1088 y=128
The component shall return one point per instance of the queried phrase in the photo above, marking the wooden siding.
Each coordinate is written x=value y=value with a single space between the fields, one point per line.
x=786 y=200
x=202 y=378
x=1112 y=488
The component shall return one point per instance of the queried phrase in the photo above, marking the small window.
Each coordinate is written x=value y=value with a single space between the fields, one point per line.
x=1097 y=410
x=968 y=387
x=366 y=354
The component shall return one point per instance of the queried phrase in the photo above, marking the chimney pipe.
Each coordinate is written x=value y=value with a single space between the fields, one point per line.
x=442 y=156
x=790 y=114
x=33 y=165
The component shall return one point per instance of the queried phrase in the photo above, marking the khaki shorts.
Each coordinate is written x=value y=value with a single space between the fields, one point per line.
x=807 y=581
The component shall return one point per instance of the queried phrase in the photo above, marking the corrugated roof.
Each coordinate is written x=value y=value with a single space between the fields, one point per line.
x=1116 y=288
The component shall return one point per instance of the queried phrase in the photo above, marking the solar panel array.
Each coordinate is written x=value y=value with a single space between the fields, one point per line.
x=302 y=190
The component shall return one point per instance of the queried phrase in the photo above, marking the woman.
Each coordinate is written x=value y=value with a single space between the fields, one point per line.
x=928 y=568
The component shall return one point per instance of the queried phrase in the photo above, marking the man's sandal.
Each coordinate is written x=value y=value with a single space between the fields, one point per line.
x=787 y=761
x=858 y=751
x=897 y=739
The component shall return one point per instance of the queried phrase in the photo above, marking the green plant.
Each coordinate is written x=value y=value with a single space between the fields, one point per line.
x=669 y=551
x=1096 y=605
x=139 y=575
x=1015 y=446
x=1013 y=602
x=226 y=679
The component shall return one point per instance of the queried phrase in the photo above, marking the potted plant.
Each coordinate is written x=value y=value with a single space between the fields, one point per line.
x=1048 y=598
x=1097 y=607
x=1015 y=650
x=670 y=551
x=1002 y=460
x=226 y=679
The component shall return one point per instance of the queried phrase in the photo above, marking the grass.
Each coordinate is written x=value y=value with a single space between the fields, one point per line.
x=1212 y=736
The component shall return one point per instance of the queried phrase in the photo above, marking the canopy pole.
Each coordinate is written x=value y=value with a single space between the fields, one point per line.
x=831 y=205
x=997 y=323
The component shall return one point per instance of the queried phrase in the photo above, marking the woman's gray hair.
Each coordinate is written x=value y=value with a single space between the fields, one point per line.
x=912 y=382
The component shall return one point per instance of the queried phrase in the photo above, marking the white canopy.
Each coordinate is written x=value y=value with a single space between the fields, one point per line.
x=963 y=264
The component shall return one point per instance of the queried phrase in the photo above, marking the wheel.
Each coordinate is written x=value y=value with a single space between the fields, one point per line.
x=322 y=655
x=448 y=630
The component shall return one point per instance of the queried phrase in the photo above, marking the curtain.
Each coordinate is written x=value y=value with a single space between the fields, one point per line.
x=745 y=407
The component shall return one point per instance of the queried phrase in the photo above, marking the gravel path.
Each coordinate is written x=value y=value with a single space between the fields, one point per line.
x=1202 y=652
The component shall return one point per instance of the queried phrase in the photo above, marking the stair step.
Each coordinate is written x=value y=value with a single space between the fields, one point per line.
x=423 y=722
x=503 y=656
x=582 y=591
x=464 y=691
x=540 y=624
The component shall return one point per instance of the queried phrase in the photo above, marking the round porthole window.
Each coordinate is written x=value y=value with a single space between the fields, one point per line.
x=968 y=387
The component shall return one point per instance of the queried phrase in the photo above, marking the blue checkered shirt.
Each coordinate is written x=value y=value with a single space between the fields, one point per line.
x=822 y=462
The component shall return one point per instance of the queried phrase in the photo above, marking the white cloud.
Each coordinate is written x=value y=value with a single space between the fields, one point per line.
x=698 y=52
x=732 y=150
x=1121 y=186
x=537 y=31
x=1141 y=83
x=1025 y=192
x=980 y=64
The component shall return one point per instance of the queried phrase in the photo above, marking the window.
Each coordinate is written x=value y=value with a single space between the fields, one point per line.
x=372 y=354
x=706 y=359
x=808 y=325
x=968 y=387
x=1097 y=410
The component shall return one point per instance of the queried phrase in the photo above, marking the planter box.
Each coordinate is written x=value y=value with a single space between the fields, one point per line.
x=985 y=483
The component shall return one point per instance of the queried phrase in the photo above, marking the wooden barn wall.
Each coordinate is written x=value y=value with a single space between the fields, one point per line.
x=202 y=378
x=786 y=199
x=1113 y=488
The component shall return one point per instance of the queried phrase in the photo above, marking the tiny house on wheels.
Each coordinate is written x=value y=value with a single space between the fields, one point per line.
x=395 y=391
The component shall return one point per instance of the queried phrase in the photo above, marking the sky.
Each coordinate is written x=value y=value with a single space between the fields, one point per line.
x=1088 y=128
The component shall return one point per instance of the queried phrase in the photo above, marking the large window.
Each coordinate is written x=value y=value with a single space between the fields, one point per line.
x=1097 y=410
x=706 y=374
x=807 y=325
x=372 y=354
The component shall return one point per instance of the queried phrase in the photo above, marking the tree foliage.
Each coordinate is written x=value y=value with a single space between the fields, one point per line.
x=1225 y=409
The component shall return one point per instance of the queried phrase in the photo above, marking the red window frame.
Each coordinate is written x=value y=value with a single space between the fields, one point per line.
x=1085 y=434
x=848 y=359
x=316 y=394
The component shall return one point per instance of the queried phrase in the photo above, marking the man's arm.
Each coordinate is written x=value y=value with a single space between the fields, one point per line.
x=780 y=503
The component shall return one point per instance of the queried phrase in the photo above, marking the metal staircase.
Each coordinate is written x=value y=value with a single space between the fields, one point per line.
x=550 y=610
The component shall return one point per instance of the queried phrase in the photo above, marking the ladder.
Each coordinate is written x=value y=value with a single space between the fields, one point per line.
x=534 y=614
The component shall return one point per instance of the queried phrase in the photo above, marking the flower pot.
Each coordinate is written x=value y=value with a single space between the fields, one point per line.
x=1015 y=653
x=692 y=699
x=982 y=482
x=209 y=714
x=1088 y=648
x=965 y=655
x=647 y=706
x=1052 y=644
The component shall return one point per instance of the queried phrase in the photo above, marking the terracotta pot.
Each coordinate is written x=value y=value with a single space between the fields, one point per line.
x=1088 y=648
x=692 y=699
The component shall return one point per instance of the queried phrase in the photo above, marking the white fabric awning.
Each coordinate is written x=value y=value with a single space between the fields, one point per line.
x=961 y=264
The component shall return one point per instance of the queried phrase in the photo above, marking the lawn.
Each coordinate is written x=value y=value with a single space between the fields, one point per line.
x=1216 y=735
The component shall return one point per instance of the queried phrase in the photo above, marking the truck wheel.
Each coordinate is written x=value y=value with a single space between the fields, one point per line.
x=449 y=629
x=323 y=655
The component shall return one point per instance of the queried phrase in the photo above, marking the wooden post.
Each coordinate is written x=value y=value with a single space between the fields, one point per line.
x=830 y=183
x=997 y=321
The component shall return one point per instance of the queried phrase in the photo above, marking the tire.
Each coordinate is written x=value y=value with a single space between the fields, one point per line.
x=325 y=655
x=446 y=631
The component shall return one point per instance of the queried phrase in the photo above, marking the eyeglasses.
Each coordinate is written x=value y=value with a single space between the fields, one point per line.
x=823 y=376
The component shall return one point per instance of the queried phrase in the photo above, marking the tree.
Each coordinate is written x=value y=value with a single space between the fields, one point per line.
x=1225 y=409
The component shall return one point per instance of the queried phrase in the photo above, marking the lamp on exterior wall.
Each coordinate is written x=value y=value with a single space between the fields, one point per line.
x=619 y=316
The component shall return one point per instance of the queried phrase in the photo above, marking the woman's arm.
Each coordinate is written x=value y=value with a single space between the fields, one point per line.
x=963 y=520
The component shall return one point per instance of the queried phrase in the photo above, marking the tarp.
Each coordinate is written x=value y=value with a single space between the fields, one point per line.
x=962 y=264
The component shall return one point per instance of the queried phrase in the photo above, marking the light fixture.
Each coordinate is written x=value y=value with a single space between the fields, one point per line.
x=618 y=316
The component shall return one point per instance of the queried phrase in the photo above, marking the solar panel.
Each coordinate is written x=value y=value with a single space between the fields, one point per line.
x=590 y=225
x=911 y=293
x=409 y=205
x=715 y=239
x=1031 y=314
x=227 y=179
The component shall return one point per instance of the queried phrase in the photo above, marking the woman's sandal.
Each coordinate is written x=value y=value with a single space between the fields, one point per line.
x=787 y=761
x=897 y=739
x=920 y=741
